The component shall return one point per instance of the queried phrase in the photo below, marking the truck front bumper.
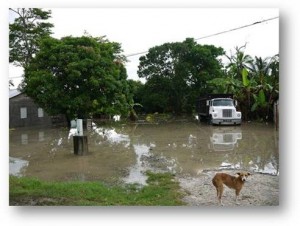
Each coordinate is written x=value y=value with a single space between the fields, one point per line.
x=226 y=121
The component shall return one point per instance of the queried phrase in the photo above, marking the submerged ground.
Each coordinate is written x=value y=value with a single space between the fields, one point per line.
x=122 y=153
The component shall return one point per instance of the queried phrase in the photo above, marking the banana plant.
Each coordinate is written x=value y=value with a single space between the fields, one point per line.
x=260 y=100
x=266 y=73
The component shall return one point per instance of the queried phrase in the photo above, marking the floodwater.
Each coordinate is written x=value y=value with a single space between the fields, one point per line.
x=122 y=153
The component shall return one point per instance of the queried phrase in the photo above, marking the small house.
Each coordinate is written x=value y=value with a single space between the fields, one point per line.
x=24 y=112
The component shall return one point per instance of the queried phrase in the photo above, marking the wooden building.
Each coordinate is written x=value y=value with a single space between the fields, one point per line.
x=24 y=112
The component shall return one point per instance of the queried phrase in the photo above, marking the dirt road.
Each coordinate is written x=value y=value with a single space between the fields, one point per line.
x=259 y=190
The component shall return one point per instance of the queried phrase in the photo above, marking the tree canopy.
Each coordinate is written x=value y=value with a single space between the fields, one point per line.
x=25 y=34
x=176 y=74
x=78 y=76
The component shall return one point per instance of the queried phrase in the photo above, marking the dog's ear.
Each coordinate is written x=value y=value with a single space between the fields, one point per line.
x=238 y=174
x=248 y=174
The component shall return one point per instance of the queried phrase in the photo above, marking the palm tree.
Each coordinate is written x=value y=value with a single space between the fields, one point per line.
x=266 y=73
x=238 y=67
x=238 y=62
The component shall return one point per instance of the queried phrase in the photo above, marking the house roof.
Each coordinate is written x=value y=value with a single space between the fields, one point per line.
x=13 y=93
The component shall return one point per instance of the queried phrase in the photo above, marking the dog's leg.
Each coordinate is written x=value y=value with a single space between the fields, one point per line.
x=220 y=193
x=237 y=192
x=221 y=203
x=217 y=186
x=236 y=200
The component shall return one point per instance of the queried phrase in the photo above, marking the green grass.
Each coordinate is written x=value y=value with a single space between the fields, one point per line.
x=162 y=190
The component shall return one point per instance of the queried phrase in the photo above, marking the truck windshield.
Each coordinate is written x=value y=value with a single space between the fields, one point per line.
x=223 y=102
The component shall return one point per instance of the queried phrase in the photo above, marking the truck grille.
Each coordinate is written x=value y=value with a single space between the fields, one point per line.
x=227 y=113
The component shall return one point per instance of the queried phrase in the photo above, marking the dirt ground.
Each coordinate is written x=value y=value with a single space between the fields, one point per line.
x=259 y=190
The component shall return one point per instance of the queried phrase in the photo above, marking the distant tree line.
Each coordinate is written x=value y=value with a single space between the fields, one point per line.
x=85 y=76
x=178 y=73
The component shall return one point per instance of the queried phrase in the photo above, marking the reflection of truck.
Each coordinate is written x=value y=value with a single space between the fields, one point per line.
x=219 y=109
x=225 y=139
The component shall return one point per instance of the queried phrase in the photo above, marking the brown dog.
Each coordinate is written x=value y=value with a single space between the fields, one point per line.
x=231 y=182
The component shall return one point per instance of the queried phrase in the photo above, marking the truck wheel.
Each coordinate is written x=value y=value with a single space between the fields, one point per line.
x=200 y=118
x=210 y=120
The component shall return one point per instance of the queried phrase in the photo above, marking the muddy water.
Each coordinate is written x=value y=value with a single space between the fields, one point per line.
x=122 y=153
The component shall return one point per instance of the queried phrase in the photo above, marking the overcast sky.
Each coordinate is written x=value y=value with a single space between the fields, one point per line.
x=138 y=29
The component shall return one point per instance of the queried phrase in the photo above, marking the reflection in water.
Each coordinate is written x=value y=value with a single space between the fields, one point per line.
x=24 y=138
x=225 y=138
x=41 y=136
x=16 y=165
x=126 y=152
x=136 y=172
x=111 y=135
x=268 y=168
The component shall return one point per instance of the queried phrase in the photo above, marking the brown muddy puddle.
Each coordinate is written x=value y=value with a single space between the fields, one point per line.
x=123 y=153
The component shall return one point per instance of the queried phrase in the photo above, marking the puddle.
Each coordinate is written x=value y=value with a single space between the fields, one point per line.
x=16 y=165
x=137 y=172
x=123 y=153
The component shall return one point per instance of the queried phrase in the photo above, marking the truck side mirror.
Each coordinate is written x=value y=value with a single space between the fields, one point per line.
x=207 y=103
x=235 y=103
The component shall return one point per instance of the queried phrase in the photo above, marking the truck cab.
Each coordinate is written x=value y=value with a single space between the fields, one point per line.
x=219 y=110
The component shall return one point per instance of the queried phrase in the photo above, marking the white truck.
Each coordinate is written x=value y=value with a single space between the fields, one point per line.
x=219 y=109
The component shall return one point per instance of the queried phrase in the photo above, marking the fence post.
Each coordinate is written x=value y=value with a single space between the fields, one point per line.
x=80 y=145
x=80 y=141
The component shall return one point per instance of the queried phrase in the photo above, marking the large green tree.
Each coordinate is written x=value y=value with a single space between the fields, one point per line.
x=25 y=33
x=78 y=77
x=176 y=74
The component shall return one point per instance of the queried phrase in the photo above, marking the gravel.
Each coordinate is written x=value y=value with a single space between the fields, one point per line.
x=259 y=190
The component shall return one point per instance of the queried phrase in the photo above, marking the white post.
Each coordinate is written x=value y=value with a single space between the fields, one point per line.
x=79 y=127
x=80 y=141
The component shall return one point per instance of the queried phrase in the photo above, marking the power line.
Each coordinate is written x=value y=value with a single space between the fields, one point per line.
x=134 y=54
x=207 y=36
x=234 y=29
x=215 y=34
